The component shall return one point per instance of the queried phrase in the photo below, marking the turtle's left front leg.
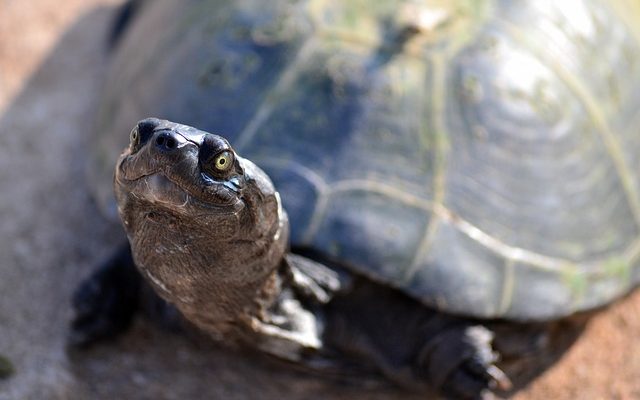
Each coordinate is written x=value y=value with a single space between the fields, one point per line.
x=104 y=304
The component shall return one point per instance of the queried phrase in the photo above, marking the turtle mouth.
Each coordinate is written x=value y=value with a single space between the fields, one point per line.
x=159 y=189
x=152 y=187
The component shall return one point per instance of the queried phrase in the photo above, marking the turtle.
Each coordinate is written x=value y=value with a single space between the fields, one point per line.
x=423 y=188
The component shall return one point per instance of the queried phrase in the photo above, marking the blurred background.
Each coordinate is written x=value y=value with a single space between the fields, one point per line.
x=52 y=60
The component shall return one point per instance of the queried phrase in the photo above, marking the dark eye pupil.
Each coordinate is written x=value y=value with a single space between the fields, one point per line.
x=222 y=161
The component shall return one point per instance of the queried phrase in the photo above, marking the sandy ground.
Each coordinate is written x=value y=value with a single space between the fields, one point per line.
x=51 y=63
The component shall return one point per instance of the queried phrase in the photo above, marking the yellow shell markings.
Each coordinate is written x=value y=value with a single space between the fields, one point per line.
x=350 y=21
x=368 y=42
x=282 y=85
x=577 y=283
x=461 y=20
x=511 y=254
x=508 y=285
x=411 y=79
x=345 y=22
x=440 y=212
x=574 y=273
x=617 y=267
x=321 y=36
x=598 y=269
x=434 y=21
x=594 y=113
x=438 y=134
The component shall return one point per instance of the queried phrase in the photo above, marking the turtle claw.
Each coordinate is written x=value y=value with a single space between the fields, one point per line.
x=104 y=304
x=313 y=280
x=502 y=381
x=460 y=363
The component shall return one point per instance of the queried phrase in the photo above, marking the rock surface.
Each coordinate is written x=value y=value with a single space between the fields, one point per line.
x=51 y=62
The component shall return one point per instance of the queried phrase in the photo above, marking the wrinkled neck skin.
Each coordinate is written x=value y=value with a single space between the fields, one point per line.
x=217 y=265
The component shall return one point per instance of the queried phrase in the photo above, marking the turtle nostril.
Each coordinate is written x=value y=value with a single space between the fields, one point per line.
x=166 y=142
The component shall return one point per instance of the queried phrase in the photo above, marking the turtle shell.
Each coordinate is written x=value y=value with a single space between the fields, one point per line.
x=482 y=156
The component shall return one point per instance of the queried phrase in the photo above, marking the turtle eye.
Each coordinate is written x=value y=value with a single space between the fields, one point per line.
x=223 y=161
x=134 y=138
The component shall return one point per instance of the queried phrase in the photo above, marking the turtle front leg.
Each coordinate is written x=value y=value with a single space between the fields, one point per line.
x=416 y=347
x=293 y=325
x=459 y=362
x=104 y=304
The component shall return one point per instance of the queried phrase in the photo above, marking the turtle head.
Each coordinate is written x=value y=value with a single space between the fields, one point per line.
x=198 y=216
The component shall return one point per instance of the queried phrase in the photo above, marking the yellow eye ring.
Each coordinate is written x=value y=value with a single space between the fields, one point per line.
x=223 y=161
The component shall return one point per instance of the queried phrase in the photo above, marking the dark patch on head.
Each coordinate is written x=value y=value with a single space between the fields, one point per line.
x=142 y=132
x=146 y=128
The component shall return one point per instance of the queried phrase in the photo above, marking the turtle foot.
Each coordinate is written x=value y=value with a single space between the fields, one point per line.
x=104 y=304
x=460 y=363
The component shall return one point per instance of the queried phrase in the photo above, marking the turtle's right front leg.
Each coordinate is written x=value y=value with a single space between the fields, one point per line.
x=104 y=304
